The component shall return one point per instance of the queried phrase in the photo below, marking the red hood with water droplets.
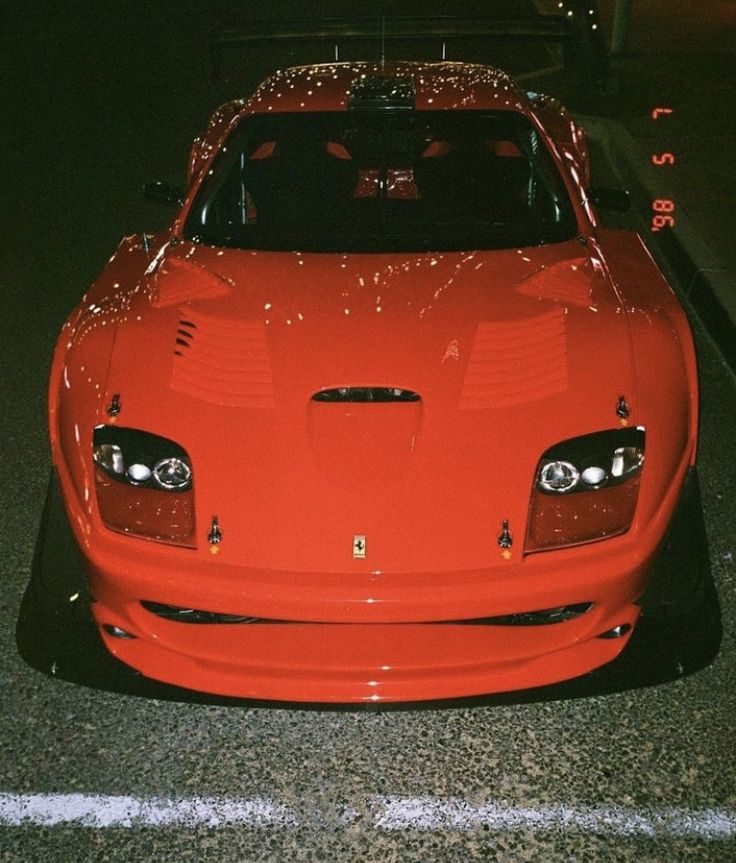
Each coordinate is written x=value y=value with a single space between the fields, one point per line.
x=510 y=352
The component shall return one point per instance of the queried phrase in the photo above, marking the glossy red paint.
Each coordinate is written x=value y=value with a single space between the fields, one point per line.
x=511 y=352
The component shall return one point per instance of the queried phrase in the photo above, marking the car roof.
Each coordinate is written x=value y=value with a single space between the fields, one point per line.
x=436 y=86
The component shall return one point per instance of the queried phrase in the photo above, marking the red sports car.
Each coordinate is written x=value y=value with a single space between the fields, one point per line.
x=385 y=414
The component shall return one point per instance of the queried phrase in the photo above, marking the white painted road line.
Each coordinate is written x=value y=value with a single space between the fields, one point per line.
x=428 y=813
x=383 y=813
x=104 y=810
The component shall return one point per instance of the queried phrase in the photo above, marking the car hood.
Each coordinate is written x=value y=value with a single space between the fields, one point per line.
x=508 y=352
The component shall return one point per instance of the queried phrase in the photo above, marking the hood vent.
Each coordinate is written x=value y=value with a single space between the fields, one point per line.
x=366 y=394
x=516 y=362
x=222 y=362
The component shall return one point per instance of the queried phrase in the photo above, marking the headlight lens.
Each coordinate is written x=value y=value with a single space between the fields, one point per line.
x=173 y=474
x=626 y=459
x=139 y=473
x=585 y=489
x=144 y=485
x=558 y=476
x=594 y=477
x=110 y=458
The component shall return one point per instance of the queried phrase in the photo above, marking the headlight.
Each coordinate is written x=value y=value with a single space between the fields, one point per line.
x=585 y=489
x=144 y=485
x=141 y=458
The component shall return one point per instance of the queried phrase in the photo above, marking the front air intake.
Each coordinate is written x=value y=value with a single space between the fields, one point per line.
x=366 y=394
x=193 y=615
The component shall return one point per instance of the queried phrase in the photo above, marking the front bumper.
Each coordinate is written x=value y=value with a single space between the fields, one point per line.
x=354 y=662
x=363 y=662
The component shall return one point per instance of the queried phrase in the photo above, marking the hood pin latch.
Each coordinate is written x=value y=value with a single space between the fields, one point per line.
x=113 y=409
x=623 y=411
x=505 y=539
x=214 y=537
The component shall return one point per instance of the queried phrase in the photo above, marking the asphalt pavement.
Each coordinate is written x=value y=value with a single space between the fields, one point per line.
x=95 y=102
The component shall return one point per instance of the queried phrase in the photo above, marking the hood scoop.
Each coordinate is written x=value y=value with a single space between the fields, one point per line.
x=360 y=439
x=366 y=394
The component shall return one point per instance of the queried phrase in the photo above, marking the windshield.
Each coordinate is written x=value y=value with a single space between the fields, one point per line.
x=382 y=181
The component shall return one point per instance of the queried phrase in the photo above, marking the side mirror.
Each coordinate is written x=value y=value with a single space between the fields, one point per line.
x=163 y=193
x=615 y=200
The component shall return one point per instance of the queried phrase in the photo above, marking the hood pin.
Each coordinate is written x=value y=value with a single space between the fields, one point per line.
x=505 y=540
x=113 y=409
x=623 y=410
x=214 y=537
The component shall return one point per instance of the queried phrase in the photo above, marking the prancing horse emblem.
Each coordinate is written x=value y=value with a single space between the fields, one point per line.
x=359 y=545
